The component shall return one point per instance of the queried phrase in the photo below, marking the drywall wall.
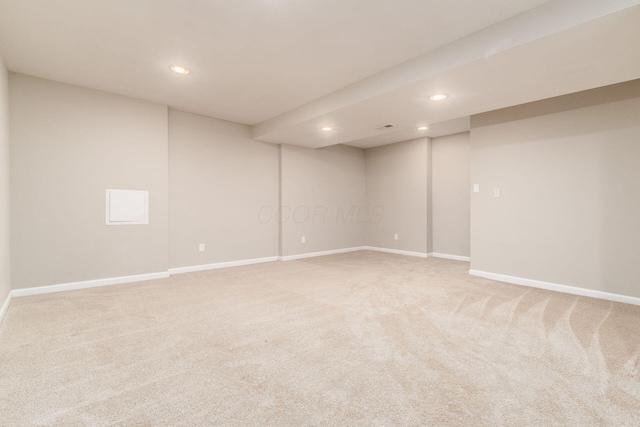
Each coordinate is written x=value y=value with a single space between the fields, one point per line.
x=68 y=145
x=223 y=192
x=397 y=193
x=323 y=198
x=568 y=170
x=451 y=194
x=5 y=265
x=429 y=196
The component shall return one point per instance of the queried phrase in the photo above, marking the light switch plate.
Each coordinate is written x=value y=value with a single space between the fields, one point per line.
x=476 y=188
x=496 y=192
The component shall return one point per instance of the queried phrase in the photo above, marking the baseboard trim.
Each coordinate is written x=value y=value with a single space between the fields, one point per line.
x=322 y=253
x=5 y=305
x=88 y=284
x=398 y=252
x=453 y=257
x=203 y=267
x=556 y=287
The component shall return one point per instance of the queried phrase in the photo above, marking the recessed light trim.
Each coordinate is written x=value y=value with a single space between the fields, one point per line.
x=179 y=69
x=439 y=97
x=423 y=128
x=327 y=129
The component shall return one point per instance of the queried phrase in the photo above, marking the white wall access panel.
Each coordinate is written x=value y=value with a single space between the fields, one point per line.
x=127 y=207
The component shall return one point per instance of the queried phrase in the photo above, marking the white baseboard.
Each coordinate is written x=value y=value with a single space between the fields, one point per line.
x=556 y=287
x=453 y=257
x=203 y=267
x=87 y=284
x=315 y=254
x=5 y=305
x=397 y=252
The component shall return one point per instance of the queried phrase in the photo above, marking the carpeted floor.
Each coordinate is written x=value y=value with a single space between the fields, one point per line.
x=362 y=338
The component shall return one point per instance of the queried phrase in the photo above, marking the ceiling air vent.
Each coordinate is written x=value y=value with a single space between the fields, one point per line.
x=385 y=127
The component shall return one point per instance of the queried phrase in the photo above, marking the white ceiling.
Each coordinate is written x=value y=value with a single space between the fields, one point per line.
x=251 y=60
x=288 y=67
x=598 y=53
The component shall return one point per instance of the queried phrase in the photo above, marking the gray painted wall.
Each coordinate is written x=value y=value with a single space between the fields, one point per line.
x=223 y=192
x=566 y=167
x=323 y=198
x=5 y=260
x=568 y=170
x=429 y=195
x=397 y=191
x=68 y=145
x=451 y=194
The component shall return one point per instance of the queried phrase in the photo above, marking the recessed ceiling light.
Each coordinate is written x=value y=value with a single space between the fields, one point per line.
x=327 y=129
x=439 y=97
x=180 y=69
x=423 y=128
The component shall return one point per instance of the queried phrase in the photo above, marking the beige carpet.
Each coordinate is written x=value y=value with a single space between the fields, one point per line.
x=356 y=339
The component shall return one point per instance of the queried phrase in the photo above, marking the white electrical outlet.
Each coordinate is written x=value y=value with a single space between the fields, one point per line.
x=201 y=247
x=395 y=236
x=496 y=192
x=303 y=240
x=476 y=188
